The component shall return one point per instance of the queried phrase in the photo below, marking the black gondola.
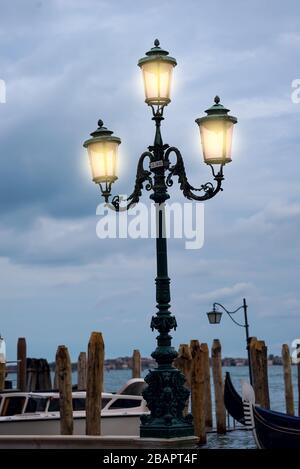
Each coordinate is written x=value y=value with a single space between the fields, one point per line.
x=276 y=430
x=271 y=429
x=233 y=401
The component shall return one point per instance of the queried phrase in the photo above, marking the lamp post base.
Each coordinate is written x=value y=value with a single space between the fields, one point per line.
x=166 y=396
x=160 y=430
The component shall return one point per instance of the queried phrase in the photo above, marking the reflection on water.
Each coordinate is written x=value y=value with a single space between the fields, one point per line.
x=239 y=439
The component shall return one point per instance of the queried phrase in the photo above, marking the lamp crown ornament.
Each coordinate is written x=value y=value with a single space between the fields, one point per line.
x=157 y=50
x=101 y=130
x=217 y=108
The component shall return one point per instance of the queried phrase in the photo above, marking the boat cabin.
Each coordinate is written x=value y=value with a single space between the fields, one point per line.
x=16 y=402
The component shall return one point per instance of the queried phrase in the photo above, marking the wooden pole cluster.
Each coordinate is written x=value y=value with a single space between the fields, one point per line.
x=95 y=365
x=81 y=371
x=31 y=374
x=198 y=389
x=38 y=375
x=22 y=364
x=193 y=362
x=208 y=402
x=288 y=385
x=44 y=377
x=136 y=364
x=64 y=374
x=218 y=386
x=90 y=377
x=183 y=362
x=259 y=366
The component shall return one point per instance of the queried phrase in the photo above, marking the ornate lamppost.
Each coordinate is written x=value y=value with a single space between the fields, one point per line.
x=165 y=394
x=214 y=317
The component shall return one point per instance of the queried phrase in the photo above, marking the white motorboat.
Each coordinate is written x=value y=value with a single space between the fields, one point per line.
x=37 y=413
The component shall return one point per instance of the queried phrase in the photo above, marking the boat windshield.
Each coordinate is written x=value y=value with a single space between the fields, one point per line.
x=134 y=389
x=78 y=403
x=13 y=405
x=53 y=405
x=125 y=403
x=36 y=404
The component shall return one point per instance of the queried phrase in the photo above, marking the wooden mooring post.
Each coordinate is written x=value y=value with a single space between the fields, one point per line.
x=31 y=382
x=288 y=385
x=208 y=402
x=183 y=362
x=22 y=364
x=44 y=378
x=38 y=375
x=259 y=366
x=218 y=386
x=136 y=364
x=95 y=364
x=64 y=374
x=81 y=371
x=198 y=390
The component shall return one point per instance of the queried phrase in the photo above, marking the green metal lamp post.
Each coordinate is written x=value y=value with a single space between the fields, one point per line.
x=165 y=394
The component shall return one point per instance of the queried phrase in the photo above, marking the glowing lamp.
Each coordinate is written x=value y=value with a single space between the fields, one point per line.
x=103 y=150
x=157 y=68
x=216 y=134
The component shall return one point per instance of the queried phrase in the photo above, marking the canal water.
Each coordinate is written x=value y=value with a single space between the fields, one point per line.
x=113 y=381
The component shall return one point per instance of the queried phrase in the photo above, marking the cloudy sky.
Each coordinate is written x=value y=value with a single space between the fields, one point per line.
x=66 y=63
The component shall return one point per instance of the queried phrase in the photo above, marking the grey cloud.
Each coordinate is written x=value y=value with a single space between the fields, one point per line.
x=68 y=63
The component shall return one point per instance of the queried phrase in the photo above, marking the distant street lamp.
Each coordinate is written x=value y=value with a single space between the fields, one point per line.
x=165 y=394
x=214 y=317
